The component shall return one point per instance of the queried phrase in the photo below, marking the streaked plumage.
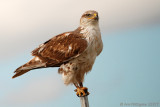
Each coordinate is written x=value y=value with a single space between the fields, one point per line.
x=73 y=52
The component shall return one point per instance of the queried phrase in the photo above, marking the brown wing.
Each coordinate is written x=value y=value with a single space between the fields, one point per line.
x=61 y=48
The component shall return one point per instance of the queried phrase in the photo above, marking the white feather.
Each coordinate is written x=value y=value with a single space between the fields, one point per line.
x=37 y=59
x=67 y=34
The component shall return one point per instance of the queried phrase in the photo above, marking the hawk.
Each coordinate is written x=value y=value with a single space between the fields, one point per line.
x=73 y=52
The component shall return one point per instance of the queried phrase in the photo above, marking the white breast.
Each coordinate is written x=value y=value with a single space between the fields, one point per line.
x=93 y=37
x=95 y=45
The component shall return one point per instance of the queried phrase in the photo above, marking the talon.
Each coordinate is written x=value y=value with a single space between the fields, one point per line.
x=81 y=91
x=75 y=90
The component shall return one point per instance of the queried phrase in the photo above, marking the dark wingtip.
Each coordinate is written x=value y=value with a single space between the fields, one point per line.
x=16 y=72
x=14 y=76
x=19 y=73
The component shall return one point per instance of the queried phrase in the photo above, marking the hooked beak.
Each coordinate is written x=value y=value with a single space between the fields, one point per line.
x=96 y=16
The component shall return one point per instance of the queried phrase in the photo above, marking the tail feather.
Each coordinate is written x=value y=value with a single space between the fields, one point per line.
x=20 y=73
x=32 y=64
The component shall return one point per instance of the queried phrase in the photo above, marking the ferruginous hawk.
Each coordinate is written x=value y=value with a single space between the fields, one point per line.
x=73 y=52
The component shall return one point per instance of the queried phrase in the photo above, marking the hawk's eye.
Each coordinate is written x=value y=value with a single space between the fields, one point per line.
x=88 y=14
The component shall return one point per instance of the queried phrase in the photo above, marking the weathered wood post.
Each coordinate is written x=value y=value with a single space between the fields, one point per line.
x=84 y=101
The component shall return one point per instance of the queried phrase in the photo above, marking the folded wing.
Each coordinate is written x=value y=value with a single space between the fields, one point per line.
x=61 y=48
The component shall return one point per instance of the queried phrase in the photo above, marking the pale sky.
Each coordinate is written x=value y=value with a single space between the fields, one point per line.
x=31 y=22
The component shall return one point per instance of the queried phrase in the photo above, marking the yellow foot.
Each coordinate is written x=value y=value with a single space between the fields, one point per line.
x=82 y=91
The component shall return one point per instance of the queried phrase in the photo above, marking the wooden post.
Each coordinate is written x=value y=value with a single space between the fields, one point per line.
x=84 y=101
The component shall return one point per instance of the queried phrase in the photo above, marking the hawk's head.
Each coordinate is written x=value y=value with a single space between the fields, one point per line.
x=89 y=17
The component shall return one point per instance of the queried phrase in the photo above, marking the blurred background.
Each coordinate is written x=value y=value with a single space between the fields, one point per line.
x=127 y=71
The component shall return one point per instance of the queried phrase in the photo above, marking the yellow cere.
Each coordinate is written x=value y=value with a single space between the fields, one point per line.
x=93 y=16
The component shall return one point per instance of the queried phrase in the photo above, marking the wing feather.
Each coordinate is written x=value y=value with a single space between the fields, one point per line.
x=61 y=48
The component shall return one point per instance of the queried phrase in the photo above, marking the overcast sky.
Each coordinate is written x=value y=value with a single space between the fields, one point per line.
x=31 y=22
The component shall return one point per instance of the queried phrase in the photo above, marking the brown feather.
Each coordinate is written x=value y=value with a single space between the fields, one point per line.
x=56 y=51
x=32 y=64
x=20 y=73
x=61 y=48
